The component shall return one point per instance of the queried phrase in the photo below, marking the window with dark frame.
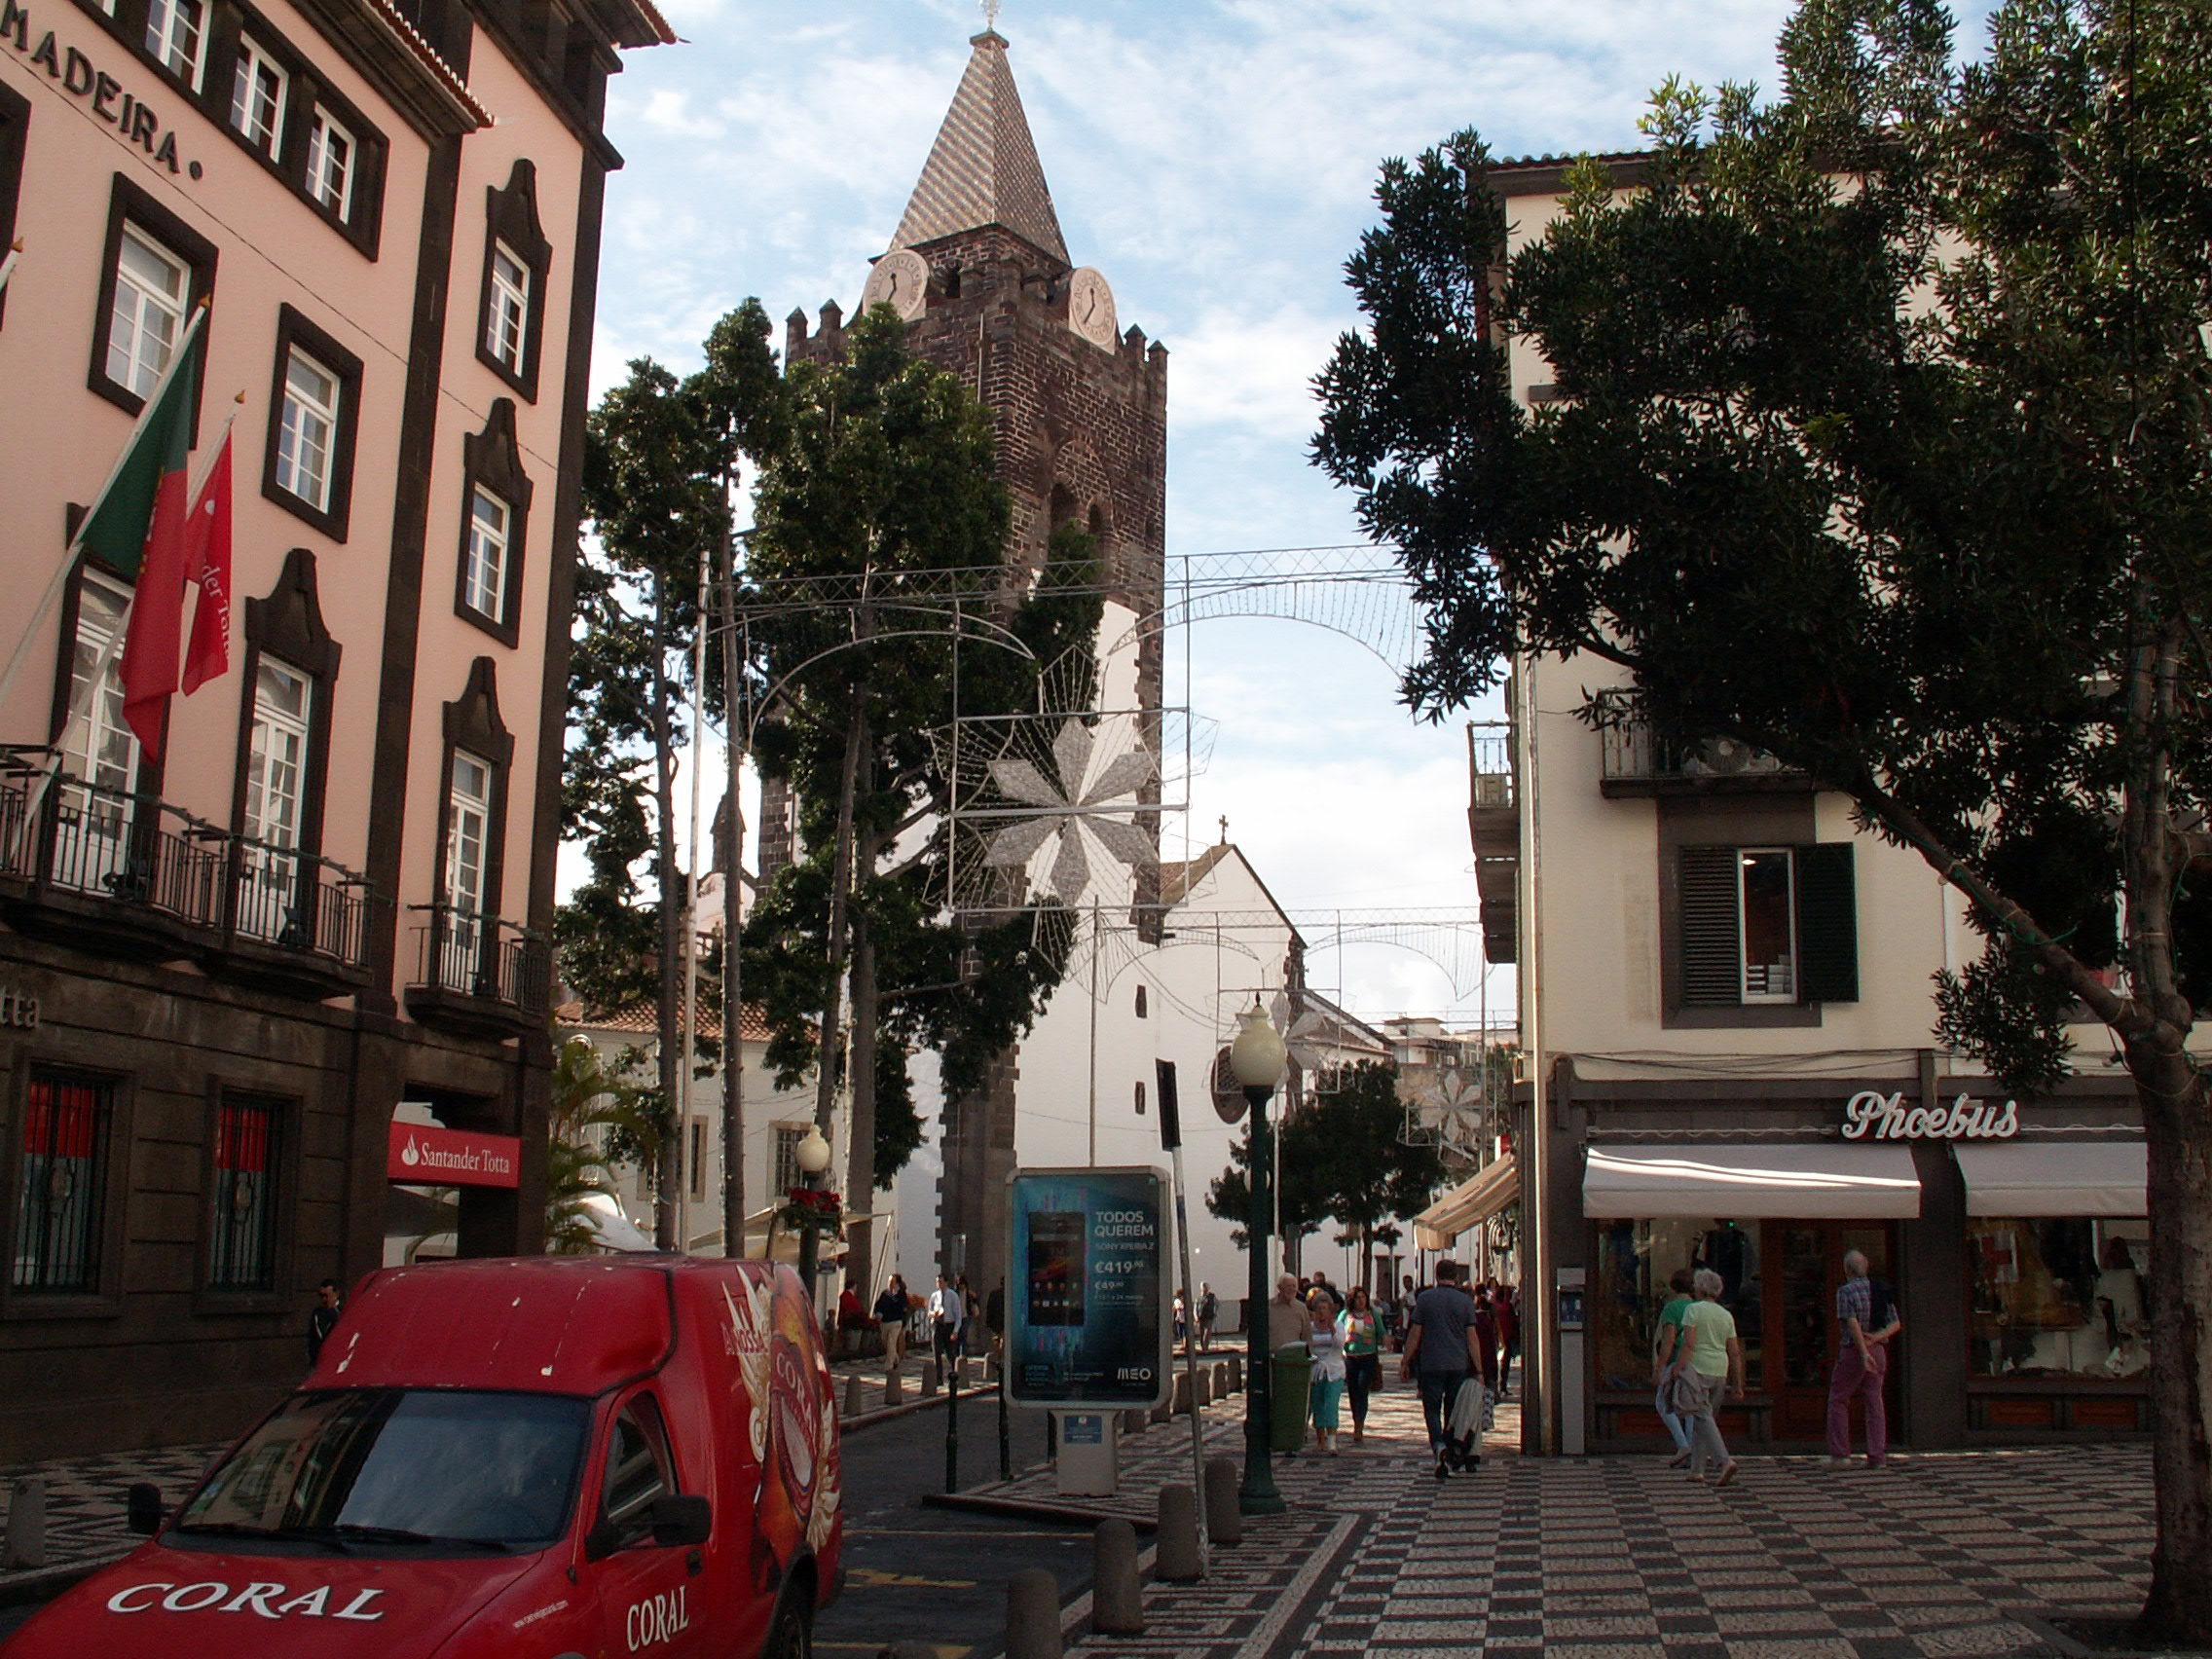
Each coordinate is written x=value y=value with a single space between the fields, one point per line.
x=259 y=91
x=154 y=270
x=787 y=1172
x=14 y=125
x=241 y=1242
x=60 y=1182
x=314 y=401
x=494 y=521
x=517 y=258
x=1767 y=925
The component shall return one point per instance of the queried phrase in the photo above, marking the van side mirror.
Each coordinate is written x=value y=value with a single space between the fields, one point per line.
x=603 y=1540
x=681 y=1518
x=143 y=1506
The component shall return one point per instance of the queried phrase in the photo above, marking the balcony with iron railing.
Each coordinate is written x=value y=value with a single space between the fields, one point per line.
x=131 y=876
x=1493 y=821
x=477 y=975
x=1637 y=761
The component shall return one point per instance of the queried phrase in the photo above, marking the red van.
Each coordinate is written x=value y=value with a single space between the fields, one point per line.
x=550 y=1458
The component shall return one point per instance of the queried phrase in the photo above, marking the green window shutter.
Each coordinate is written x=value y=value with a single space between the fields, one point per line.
x=1827 y=924
x=1713 y=946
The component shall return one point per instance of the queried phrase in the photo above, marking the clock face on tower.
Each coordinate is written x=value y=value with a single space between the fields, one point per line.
x=900 y=280
x=1090 y=308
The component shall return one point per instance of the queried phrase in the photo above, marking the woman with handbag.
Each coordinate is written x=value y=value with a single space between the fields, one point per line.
x=1666 y=1357
x=1712 y=1363
x=1326 y=1343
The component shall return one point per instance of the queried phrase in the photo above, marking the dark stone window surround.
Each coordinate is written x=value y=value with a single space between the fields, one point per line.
x=492 y=458
x=288 y=625
x=128 y=202
x=151 y=768
x=14 y=134
x=293 y=329
x=223 y=21
x=106 y=1301
x=510 y=217
x=472 y=722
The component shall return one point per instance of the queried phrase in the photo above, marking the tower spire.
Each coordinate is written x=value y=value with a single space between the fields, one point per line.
x=983 y=168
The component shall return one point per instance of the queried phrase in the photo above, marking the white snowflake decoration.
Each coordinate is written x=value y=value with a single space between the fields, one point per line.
x=1072 y=811
x=1448 y=1109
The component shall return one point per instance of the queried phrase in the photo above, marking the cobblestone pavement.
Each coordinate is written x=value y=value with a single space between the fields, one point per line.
x=1952 y=1554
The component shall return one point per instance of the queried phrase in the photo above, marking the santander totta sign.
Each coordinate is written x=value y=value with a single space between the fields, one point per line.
x=424 y=1157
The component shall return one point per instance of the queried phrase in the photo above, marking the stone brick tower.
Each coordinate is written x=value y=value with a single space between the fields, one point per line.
x=979 y=269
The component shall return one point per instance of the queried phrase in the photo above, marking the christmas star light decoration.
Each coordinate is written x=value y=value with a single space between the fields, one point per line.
x=1447 y=1110
x=1073 y=811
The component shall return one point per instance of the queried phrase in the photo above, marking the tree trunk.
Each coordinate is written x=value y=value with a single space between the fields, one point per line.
x=860 y=1180
x=668 y=1165
x=734 y=915
x=2179 y=1291
x=833 y=1057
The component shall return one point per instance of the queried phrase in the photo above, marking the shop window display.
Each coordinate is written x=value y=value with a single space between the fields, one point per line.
x=2058 y=1297
x=1635 y=1259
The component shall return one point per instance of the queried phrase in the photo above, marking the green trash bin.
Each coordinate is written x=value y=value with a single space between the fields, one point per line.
x=1293 y=1397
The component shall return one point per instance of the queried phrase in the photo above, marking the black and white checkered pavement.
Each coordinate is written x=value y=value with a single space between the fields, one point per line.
x=1604 y=1558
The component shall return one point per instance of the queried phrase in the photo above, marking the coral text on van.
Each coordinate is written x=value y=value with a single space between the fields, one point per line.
x=1870 y=1115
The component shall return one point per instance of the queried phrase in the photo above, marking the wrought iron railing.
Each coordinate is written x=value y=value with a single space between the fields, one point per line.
x=1634 y=753
x=142 y=854
x=486 y=957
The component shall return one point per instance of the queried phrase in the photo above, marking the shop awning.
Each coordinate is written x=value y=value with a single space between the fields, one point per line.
x=2055 y=1178
x=1468 y=1205
x=1846 y=1182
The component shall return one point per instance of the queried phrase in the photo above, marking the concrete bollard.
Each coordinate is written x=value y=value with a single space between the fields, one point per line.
x=1163 y=1412
x=1225 y=1522
x=1134 y=1420
x=929 y=1378
x=856 y=1396
x=894 y=1385
x=961 y=1376
x=1236 y=1375
x=1032 y=1615
x=1223 y=1387
x=1175 y=1546
x=26 y=1523
x=1180 y=1404
x=1116 y=1600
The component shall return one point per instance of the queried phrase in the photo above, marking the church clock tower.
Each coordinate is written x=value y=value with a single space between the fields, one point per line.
x=981 y=273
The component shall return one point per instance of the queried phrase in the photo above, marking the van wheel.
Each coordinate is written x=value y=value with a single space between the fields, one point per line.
x=791 y=1635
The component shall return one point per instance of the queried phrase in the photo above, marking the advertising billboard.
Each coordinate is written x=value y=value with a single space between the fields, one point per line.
x=1087 y=1289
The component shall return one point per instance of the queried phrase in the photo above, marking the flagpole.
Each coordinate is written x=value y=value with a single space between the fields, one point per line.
x=59 y=581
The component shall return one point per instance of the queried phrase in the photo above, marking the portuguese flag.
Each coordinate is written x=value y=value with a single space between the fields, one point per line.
x=137 y=527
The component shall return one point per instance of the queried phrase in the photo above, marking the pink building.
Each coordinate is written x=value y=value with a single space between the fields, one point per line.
x=224 y=968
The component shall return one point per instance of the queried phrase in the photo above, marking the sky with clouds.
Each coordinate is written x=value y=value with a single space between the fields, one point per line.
x=1216 y=160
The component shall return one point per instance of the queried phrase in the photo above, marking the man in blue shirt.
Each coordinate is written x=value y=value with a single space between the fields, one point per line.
x=1448 y=1339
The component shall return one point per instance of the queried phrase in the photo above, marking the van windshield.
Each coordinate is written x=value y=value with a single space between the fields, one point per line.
x=402 y=1466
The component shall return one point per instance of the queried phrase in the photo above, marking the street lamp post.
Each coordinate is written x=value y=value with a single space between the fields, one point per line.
x=1256 y=1060
x=812 y=1156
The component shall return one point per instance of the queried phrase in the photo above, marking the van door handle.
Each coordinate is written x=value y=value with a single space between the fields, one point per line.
x=694 y=1563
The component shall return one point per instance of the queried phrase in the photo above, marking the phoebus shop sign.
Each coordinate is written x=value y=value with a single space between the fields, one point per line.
x=424 y=1157
x=1871 y=1115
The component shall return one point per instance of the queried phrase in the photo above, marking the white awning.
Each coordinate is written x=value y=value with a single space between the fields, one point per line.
x=1846 y=1182
x=2055 y=1178
x=1468 y=1205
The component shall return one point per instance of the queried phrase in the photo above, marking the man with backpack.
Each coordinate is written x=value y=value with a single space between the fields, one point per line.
x=1867 y=1319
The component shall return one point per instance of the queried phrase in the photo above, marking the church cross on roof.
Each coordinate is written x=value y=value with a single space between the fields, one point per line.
x=983 y=168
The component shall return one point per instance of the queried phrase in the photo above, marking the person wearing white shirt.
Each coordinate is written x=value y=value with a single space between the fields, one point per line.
x=946 y=1316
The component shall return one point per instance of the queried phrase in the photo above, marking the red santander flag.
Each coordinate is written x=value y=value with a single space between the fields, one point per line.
x=207 y=567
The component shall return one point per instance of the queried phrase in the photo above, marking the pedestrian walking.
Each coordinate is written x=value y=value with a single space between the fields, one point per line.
x=891 y=1309
x=323 y=1317
x=1363 y=1357
x=1507 y=1304
x=1442 y=1351
x=945 y=1314
x=1666 y=1343
x=1209 y=1313
x=1325 y=1340
x=1866 y=1318
x=1714 y=1366
x=1286 y=1314
x=1182 y=1323
x=971 y=1315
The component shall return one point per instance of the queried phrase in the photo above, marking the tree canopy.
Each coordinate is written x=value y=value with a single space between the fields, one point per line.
x=1876 y=438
